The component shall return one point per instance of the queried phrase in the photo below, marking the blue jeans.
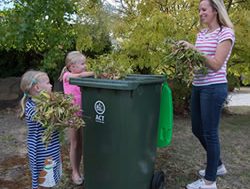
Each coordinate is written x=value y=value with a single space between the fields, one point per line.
x=206 y=106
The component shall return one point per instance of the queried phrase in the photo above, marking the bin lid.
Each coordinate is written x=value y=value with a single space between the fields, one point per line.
x=129 y=83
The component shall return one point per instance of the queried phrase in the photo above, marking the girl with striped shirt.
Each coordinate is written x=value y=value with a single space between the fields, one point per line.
x=45 y=162
x=209 y=91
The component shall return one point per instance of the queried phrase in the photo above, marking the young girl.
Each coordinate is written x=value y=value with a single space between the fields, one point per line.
x=74 y=67
x=45 y=162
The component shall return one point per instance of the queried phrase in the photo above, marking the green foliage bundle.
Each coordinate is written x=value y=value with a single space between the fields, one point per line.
x=55 y=111
x=186 y=61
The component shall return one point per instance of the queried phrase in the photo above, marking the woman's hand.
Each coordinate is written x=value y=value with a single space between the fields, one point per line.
x=186 y=44
x=216 y=62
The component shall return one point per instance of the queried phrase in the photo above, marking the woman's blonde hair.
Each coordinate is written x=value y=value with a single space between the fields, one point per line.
x=71 y=58
x=28 y=80
x=222 y=16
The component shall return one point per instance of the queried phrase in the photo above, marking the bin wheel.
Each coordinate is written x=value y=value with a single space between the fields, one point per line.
x=158 y=180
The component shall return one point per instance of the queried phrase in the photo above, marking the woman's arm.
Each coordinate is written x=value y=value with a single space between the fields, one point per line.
x=216 y=62
x=221 y=53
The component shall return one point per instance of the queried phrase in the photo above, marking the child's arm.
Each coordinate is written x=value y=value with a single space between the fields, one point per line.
x=87 y=74
x=82 y=74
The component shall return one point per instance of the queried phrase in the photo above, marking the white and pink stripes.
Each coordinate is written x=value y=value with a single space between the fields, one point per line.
x=207 y=44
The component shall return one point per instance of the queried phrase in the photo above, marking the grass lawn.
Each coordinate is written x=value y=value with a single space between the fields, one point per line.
x=185 y=156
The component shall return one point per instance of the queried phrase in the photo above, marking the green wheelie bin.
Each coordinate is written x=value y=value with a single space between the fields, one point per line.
x=120 y=137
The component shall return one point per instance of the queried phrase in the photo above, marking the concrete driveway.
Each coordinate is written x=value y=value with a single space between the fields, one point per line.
x=239 y=101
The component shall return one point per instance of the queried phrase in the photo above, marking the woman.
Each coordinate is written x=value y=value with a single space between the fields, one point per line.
x=209 y=91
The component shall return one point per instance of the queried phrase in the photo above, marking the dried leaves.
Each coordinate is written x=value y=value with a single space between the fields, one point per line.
x=55 y=111
x=186 y=61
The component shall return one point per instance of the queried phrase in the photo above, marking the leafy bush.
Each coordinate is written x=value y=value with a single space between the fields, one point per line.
x=181 y=94
x=233 y=81
x=16 y=62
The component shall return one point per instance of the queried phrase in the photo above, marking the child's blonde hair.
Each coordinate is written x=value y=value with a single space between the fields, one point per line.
x=28 y=80
x=71 y=58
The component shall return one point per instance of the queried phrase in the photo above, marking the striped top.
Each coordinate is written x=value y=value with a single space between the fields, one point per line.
x=37 y=152
x=207 y=44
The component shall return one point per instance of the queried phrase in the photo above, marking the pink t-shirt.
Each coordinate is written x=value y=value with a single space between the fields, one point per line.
x=207 y=44
x=72 y=89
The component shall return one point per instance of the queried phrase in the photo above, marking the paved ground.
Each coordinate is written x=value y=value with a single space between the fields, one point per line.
x=239 y=101
x=240 y=97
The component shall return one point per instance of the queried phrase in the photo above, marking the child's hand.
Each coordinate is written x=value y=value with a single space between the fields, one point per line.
x=92 y=73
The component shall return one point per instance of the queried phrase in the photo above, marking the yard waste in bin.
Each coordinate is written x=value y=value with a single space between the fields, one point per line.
x=120 y=136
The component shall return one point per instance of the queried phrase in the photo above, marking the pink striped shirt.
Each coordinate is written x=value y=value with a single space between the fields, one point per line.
x=207 y=44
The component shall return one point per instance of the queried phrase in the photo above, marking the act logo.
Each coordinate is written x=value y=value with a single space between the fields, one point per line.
x=99 y=109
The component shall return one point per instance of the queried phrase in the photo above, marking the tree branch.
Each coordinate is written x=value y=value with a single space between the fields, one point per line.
x=229 y=5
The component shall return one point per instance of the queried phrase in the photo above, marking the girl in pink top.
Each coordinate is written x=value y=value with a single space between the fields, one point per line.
x=75 y=64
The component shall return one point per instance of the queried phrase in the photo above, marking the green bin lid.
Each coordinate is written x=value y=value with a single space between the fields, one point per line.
x=129 y=83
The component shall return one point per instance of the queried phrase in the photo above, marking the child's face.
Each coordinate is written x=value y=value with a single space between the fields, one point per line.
x=44 y=84
x=77 y=67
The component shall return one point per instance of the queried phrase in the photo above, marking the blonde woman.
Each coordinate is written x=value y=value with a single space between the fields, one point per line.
x=75 y=65
x=45 y=162
x=209 y=91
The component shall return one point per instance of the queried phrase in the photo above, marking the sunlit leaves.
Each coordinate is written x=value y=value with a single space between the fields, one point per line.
x=92 y=27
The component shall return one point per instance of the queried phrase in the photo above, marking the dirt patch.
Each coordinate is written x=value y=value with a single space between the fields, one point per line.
x=14 y=171
x=12 y=134
x=14 y=168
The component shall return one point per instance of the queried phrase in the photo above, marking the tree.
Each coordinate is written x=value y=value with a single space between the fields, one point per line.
x=145 y=25
x=137 y=29
x=42 y=27
x=92 y=28
x=240 y=62
x=142 y=27
x=52 y=28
